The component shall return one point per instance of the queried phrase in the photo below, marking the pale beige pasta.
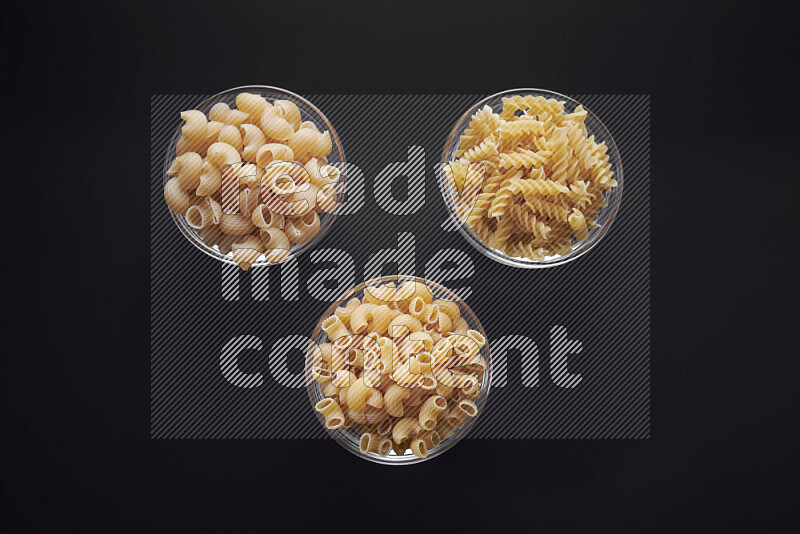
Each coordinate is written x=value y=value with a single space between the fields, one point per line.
x=251 y=104
x=210 y=179
x=230 y=135
x=335 y=328
x=393 y=399
x=253 y=140
x=262 y=217
x=186 y=169
x=177 y=199
x=275 y=126
x=289 y=111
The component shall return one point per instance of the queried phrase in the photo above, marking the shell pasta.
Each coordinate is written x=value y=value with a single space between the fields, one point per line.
x=403 y=377
x=254 y=180
x=529 y=181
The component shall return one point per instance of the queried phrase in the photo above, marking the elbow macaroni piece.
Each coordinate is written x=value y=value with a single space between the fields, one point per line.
x=401 y=390
x=223 y=157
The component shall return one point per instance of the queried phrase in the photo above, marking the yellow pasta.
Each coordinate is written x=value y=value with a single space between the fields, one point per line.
x=545 y=178
x=417 y=386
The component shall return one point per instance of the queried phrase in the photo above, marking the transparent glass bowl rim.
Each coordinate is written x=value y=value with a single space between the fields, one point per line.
x=406 y=459
x=584 y=247
x=180 y=220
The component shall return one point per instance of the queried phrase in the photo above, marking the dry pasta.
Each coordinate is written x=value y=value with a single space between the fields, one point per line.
x=541 y=179
x=229 y=155
x=404 y=388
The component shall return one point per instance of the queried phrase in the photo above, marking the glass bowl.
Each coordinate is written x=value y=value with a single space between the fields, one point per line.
x=606 y=215
x=350 y=438
x=309 y=112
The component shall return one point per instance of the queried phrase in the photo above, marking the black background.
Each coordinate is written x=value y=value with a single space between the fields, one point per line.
x=77 y=80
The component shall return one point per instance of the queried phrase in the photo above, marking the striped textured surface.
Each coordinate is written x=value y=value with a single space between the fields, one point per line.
x=204 y=315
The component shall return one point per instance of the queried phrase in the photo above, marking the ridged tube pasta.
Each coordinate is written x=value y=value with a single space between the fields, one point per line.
x=418 y=448
x=393 y=399
x=345 y=312
x=302 y=229
x=400 y=393
x=178 y=200
x=262 y=217
x=429 y=411
x=370 y=317
x=332 y=412
x=405 y=429
x=187 y=169
x=219 y=112
x=462 y=411
x=375 y=443
x=276 y=126
x=335 y=328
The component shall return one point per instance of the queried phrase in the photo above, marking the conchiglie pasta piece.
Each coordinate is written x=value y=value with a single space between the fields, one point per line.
x=177 y=199
x=289 y=111
x=276 y=126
